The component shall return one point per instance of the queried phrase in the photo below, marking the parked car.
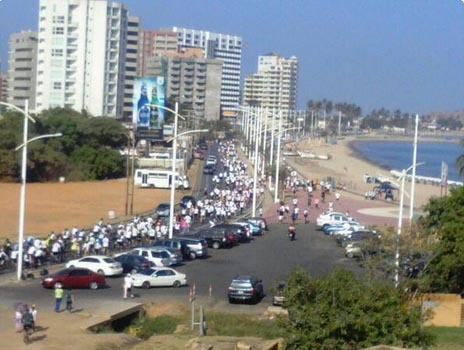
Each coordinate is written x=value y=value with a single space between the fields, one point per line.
x=162 y=210
x=133 y=263
x=198 y=154
x=278 y=298
x=186 y=199
x=159 y=258
x=353 y=250
x=75 y=278
x=211 y=160
x=101 y=264
x=174 y=254
x=331 y=218
x=357 y=236
x=240 y=230
x=245 y=288
x=253 y=228
x=177 y=244
x=159 y=277
x=198 y=247
x=259 y=221
x=209 y=169
x=349 y=226
x=218 y=237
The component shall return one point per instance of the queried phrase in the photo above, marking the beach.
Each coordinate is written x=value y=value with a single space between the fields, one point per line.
x=348 y=170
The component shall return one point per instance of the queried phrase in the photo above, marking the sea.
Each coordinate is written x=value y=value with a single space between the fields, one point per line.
x=398 y=155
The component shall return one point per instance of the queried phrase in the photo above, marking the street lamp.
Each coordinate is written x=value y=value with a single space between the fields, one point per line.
x=22 y=195
x=279 y=135
x=400 y=221
x=173 y=170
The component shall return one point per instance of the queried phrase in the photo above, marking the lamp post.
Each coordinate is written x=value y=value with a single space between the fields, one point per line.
x=22 y=195
x=22 y=201
x=413 y=179
x=279 y=135
x=400 y=221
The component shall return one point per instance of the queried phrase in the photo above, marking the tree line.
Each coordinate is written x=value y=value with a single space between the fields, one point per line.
x=88 y=149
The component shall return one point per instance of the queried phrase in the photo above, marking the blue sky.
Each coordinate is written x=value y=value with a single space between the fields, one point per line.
x=406 y=54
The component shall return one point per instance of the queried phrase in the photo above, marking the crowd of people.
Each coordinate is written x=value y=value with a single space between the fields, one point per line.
x=230 y=194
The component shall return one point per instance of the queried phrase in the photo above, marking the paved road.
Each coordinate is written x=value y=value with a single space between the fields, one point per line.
x=270 y=257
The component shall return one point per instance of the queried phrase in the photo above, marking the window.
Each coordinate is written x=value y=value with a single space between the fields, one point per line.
x=58 y=19
x=57 y=52
x=58 y=30
x=56 y=85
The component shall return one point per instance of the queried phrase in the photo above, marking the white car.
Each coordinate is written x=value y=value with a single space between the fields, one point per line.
x=157 y=256
x=159 y=277
x=331 y=218
x=98 y=263
x=211 y=160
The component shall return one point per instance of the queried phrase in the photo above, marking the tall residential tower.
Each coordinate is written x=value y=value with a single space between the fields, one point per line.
x=225 y=47
x=22 y=56
x=81 y=56
x=275 y=84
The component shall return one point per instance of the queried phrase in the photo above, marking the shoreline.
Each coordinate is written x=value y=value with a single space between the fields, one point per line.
x=347 y=167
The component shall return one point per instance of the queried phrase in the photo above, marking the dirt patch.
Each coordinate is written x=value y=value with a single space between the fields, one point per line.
x=56 y=206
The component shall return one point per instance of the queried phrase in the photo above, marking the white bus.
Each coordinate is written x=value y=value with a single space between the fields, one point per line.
x=158 y=178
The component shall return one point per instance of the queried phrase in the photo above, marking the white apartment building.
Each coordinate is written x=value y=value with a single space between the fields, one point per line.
x=81 y=56
x=275 y=84
x=225 y=47
x=22 y=54
x=131 y=61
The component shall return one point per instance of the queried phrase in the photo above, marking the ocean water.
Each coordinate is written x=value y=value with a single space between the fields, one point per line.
x=398 y=155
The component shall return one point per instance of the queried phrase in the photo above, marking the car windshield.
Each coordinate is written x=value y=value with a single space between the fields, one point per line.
x=62 y=272
x=240 y=284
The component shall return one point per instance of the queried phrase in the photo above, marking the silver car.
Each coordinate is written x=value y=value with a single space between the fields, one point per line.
x=176 y=257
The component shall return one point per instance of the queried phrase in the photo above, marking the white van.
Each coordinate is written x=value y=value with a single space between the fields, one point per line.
x=159 y=178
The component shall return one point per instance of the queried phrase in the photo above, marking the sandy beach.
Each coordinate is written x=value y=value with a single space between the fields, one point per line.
x=348 y=169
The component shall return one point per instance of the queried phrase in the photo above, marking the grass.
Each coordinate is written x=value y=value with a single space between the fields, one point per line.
x=217 y=323
x=447 y=338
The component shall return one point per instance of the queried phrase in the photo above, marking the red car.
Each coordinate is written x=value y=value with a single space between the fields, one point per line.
x=75 y=278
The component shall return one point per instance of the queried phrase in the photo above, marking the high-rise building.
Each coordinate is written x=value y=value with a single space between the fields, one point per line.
x=155 y=43
x=81 y=56
x=22 y=57
x=132 y=48
x=274 y=85
x=225 y=47
x=3 y=87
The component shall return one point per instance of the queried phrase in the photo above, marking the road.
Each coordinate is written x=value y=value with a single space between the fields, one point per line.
x=270 y=257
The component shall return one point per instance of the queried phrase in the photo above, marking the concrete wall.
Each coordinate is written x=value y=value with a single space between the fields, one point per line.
x=445 y=309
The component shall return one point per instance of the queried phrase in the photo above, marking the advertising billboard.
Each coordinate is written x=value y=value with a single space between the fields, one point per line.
x=149 y=92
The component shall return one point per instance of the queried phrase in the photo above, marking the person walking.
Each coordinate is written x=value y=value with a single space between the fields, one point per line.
x=34 y=316
x=305 y=214
x=18 y=320
x=128 y=286
x=69 y=300
x=58 y=296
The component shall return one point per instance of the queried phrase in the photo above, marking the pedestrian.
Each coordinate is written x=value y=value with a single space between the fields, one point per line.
x=18 y=320
x=260 y=211
x=316 y=203
x=294 y=217
x=128 y=286
x=69 y=300
x=331 y=206
x=34 y=316
x=337 y=196
x=323 y=194
x=58 y=296
x=305 y=214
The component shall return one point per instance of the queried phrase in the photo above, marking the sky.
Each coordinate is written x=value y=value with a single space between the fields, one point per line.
x=396 y=54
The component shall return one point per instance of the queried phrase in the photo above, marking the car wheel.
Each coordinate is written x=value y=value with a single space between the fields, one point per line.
x=72 y=266
x=324 y=227
x=146 y=285
x=176 y=284
x=100 y=272
x=216 y=245
x=93 y=285
x=193 y=255
x=231 y=301
x=350 y=255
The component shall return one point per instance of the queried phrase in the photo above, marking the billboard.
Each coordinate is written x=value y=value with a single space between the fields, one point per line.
x=148 y=92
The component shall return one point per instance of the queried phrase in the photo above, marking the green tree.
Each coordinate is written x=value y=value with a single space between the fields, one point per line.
x=443 y=222
x=340 y=311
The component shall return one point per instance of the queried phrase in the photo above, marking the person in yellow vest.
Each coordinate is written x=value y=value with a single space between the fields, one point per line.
x=58 y=296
